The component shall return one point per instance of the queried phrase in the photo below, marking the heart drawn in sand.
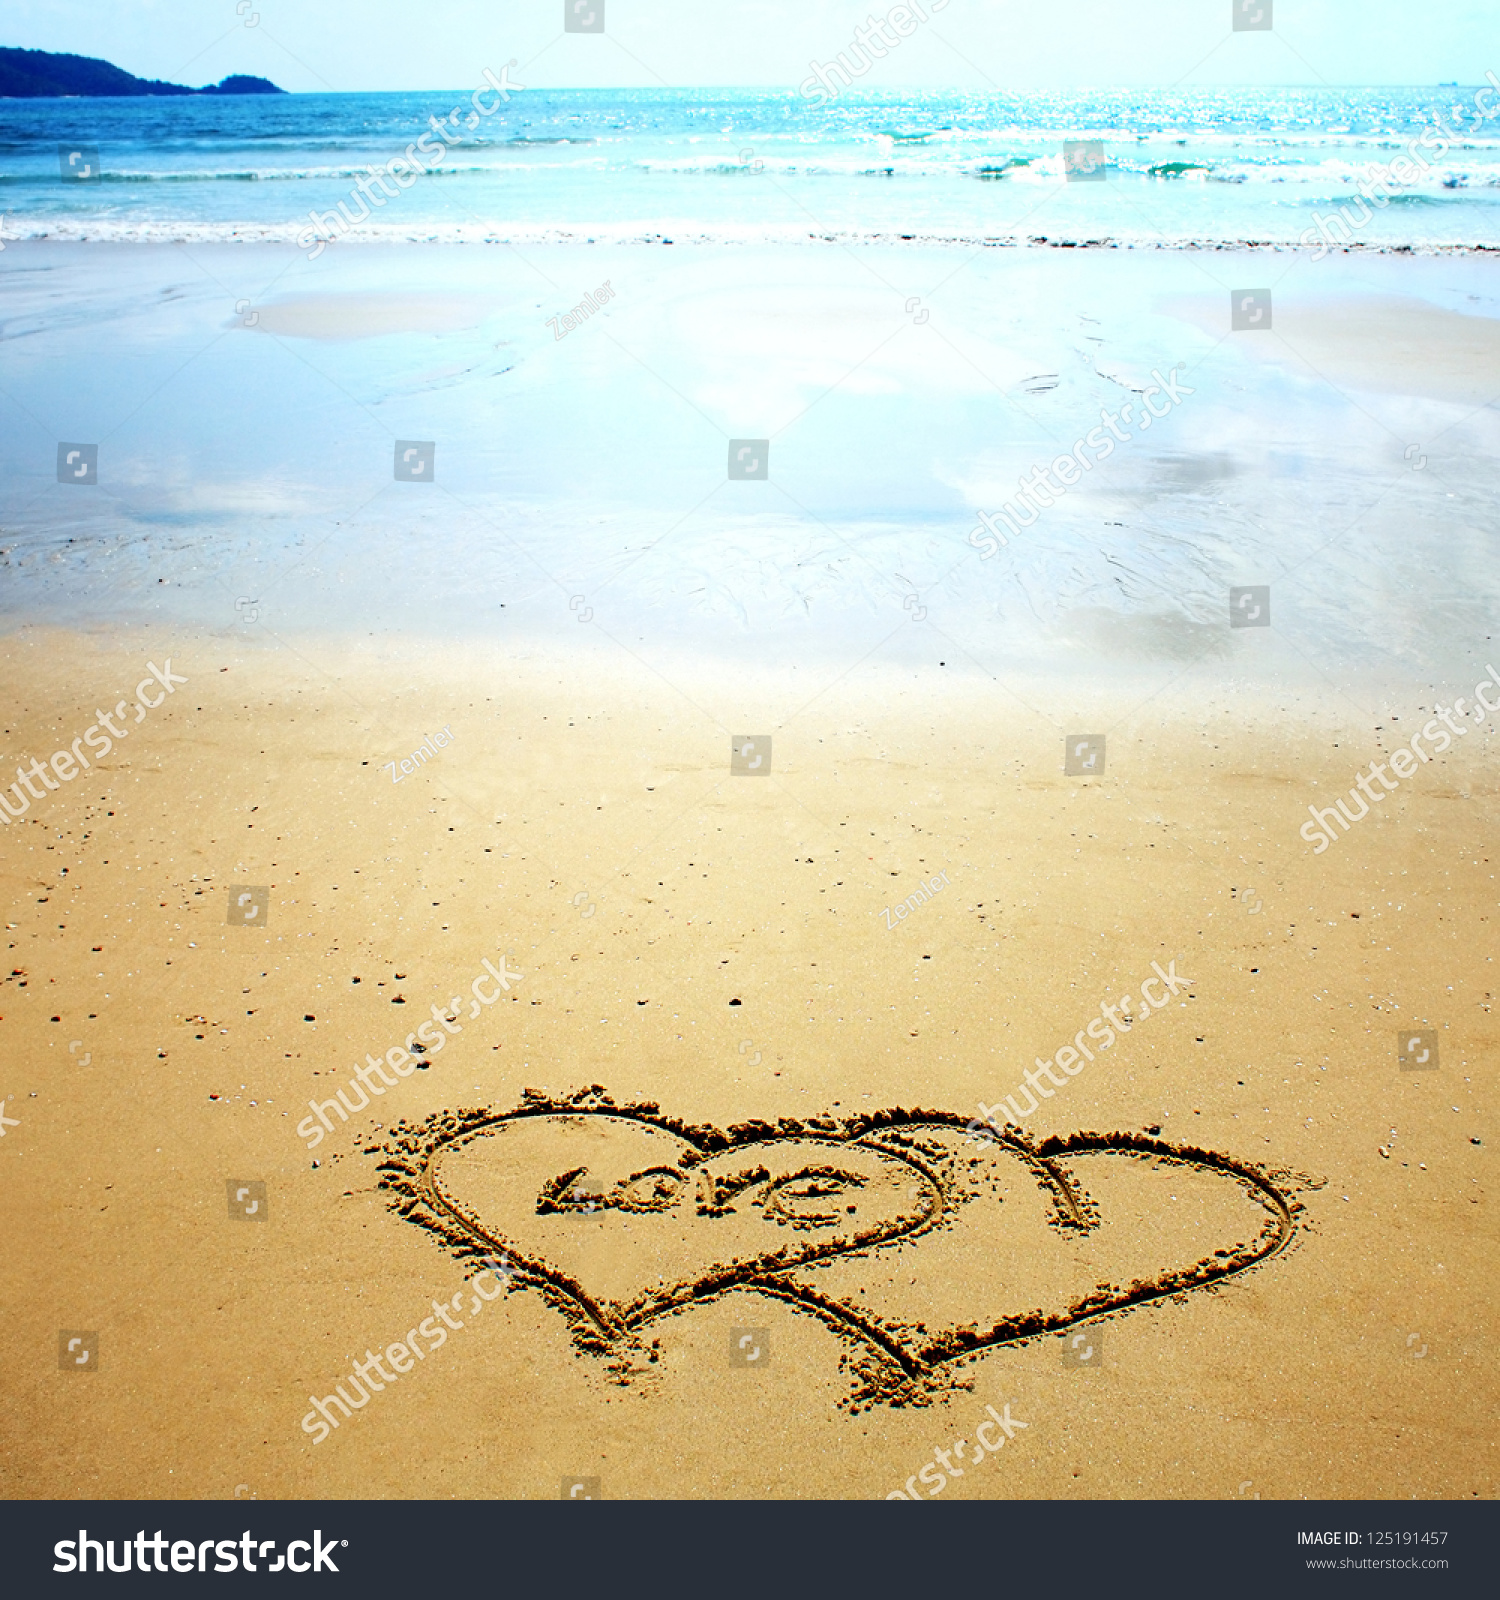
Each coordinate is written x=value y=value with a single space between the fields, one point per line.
x=917 y=1244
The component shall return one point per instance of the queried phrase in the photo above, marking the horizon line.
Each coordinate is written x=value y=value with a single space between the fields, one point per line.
x=783 y=88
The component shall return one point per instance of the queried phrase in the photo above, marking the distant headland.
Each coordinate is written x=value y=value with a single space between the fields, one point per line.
x=42 y=74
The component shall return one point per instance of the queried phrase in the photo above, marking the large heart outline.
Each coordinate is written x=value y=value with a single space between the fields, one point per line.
x=824 y=1161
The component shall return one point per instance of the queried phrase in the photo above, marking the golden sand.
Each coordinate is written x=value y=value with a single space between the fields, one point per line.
x=715 y=946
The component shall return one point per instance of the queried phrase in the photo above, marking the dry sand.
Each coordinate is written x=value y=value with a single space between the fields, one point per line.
x=1386 y=343
x=584 y=819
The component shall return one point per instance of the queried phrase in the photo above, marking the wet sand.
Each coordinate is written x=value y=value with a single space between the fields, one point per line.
x=590 y=472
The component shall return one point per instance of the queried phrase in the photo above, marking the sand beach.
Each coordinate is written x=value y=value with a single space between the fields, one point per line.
x=859 y=868
x=714 y=946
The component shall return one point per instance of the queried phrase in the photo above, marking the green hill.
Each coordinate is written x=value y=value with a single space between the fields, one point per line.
x=42 y=74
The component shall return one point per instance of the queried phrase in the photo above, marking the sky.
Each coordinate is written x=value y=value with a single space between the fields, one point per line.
x=352 y=45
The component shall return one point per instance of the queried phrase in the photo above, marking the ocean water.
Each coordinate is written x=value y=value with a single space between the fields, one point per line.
x=1184 y=166
x=247 y=398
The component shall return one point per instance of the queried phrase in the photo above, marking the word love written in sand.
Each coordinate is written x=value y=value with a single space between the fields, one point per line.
x=1012 y=1240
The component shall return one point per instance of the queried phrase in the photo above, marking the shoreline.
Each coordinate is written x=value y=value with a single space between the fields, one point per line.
x=632 y=234
x=1344 y=460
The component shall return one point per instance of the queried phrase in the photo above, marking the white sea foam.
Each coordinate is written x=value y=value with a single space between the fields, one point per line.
x=682 y=231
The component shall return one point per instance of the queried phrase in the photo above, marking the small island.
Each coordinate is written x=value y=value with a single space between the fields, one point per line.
x=42 y=74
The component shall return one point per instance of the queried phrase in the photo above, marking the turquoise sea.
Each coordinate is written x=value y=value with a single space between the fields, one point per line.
x=874 y=293
x=1184 y=166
